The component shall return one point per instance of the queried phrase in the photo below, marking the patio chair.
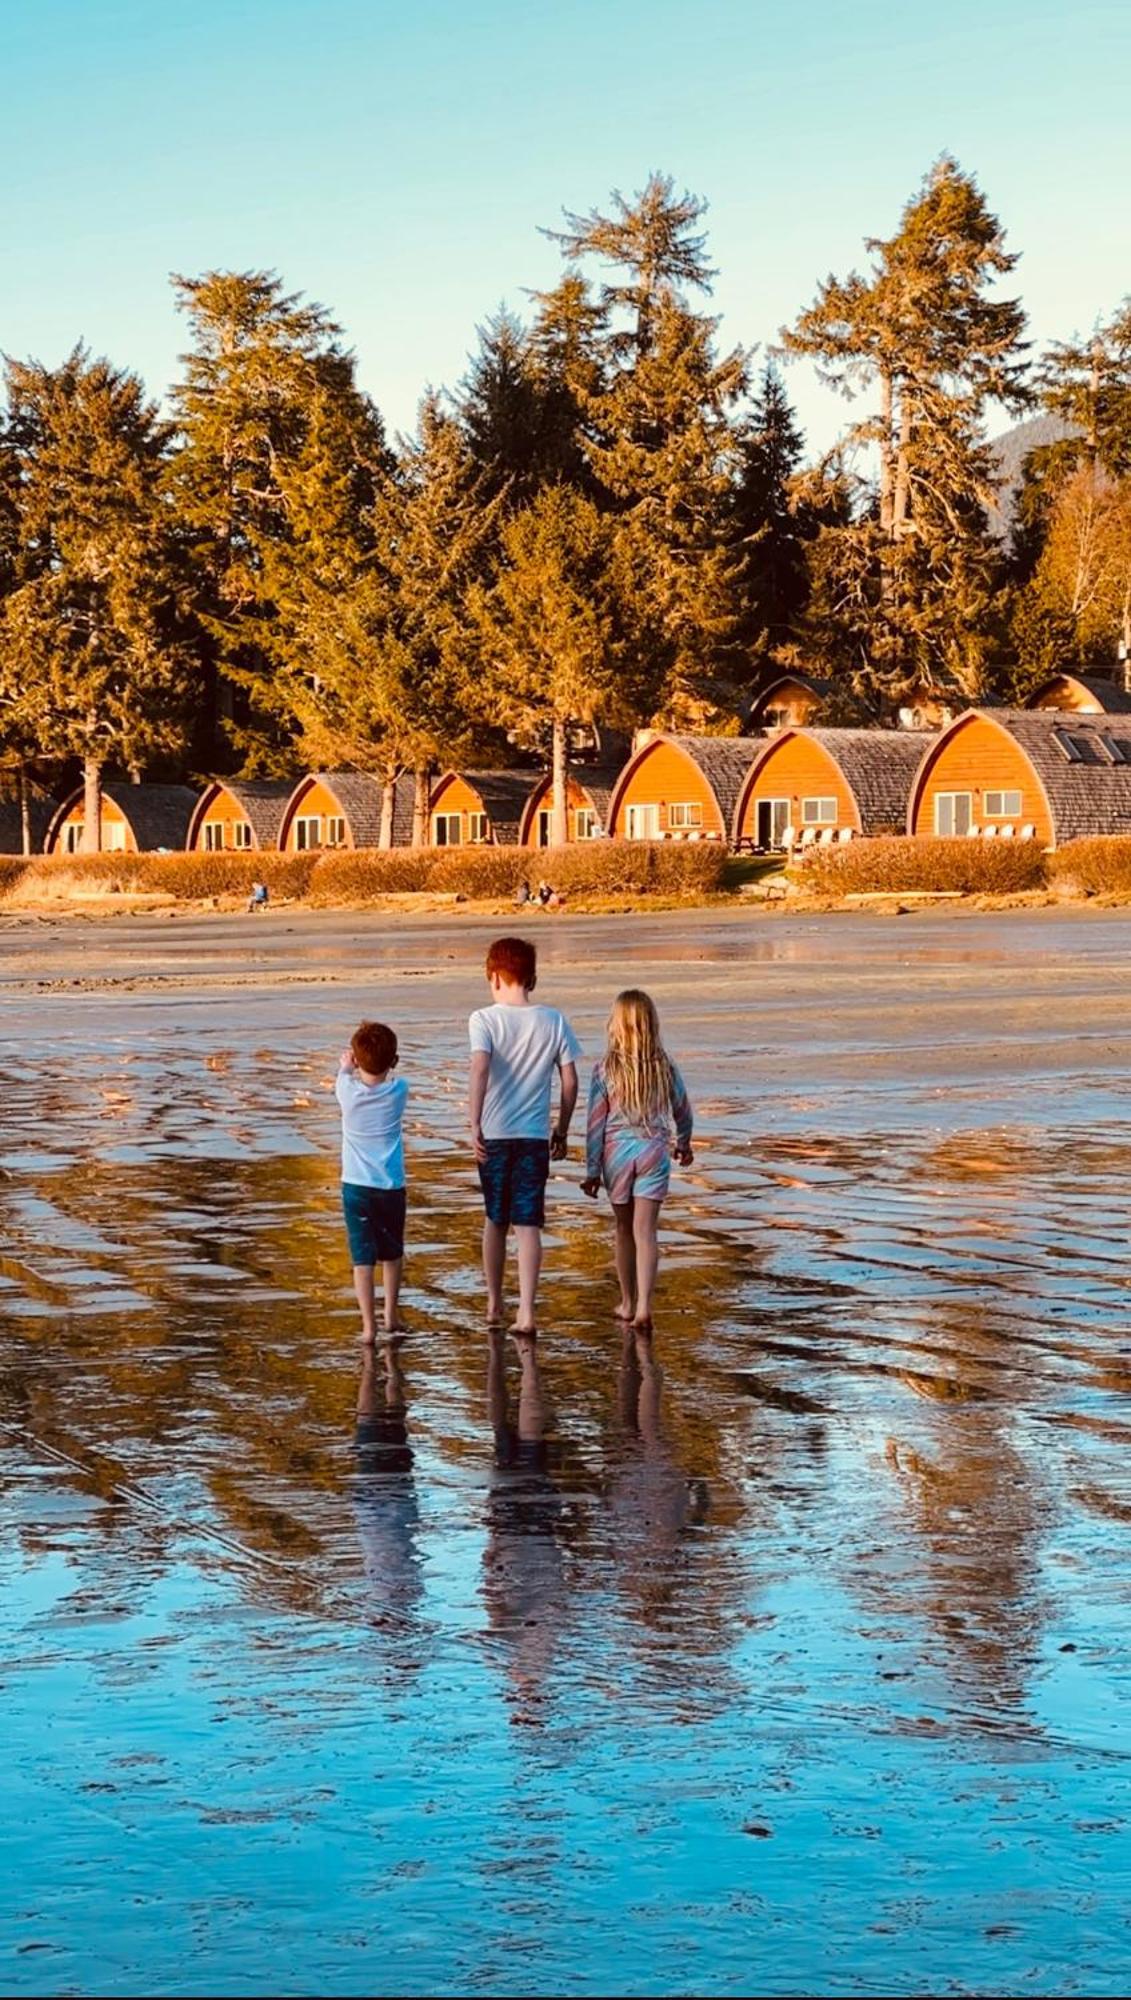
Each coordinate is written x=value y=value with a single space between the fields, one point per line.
x=846 y=833
x=1028 y=831
x=973 y=833
x=1007 y=832
x=788 y=838
x=989 y=833
x=828 y=835
x=808 y=835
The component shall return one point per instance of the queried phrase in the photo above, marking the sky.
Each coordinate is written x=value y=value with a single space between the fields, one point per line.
x=396 y=162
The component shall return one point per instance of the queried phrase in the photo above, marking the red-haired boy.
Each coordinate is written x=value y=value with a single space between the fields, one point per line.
x=373 y=1190
x=516 y=1046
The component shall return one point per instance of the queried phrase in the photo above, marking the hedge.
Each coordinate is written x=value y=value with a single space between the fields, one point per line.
x=1098 y=867
x=365 y=874
x=971 y=867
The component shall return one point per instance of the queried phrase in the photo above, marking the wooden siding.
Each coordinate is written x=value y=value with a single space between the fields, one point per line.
x=977 y=757
x=112 y=815
x=542 y=800
x=798 y=769
x=665 y=776
x=224 y=811
x=793 y=700
x=455 y=795
x=1066 y=692
x=314 y=800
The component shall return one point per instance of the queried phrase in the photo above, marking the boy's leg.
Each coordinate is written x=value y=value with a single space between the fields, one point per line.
x=624 y=1253
x=363 y=1286
x=391 y=1282
x=529 y=1241
x=645 y=1220
x=494 y=1266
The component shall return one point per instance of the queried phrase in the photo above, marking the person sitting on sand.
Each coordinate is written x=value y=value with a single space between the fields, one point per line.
x=522 y=895
x=635 y=1095
x=259 y=898
x=373 y=1182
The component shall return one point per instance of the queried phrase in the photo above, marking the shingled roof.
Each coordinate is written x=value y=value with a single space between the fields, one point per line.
x=877 y=765
x=359 y=795
x=261 y=800
x=1083 y=763
x=1109 y=696
x=504 y=795
x=40 y=813
x=723 y=760
x=158 y=815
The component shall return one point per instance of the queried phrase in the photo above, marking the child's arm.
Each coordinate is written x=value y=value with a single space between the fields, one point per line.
x=477 y=1091
x=684 y=1121
x=559 y=1137
x=595 y=1123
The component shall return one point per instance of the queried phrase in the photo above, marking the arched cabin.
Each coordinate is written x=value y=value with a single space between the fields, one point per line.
x=479 y=808
x=134 y=819
x=813 y=785
x=1082 y=693
x=234 y=815
x=588 y=796
x=331 y=809
x=790 y=702
x=1032 y=774
x=681 y=787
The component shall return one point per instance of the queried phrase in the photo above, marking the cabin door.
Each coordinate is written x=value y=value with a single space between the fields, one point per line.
x=952 y=813
x=642 y=823
x=545 y=821
x=773 y=818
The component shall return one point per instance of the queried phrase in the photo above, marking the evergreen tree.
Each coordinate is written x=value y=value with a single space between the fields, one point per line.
x=925 y=330
x=500 y=407
x=93 y=659
x=770 y=520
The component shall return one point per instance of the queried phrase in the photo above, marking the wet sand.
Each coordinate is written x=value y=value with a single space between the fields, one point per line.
x=803 y=1668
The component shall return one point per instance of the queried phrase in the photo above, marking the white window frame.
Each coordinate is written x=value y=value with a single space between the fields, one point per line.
x=213 y=836
x=684 y=814
x=785 y=812
x=545 y=826
x=72 y=836
x=585 y=823
x=241 y=833
x=447 y=821
x=951 y=798
x=335 y=834
x=1002 y=810
x=642 y=822
x=303 y=823
x=819 y=811
x=478 y=829
x=114 y=838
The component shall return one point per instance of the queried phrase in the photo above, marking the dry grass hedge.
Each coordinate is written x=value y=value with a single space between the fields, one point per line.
x=180 y=877
x=1099 y=867
x=971 y=867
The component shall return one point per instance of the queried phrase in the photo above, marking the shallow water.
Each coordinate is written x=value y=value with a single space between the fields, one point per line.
x=798 y=1663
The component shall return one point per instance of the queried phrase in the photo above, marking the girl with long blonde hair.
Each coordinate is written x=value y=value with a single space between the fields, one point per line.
x=635 y=1097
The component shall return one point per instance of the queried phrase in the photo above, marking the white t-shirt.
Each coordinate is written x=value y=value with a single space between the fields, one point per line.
x=526 y=1045
x=372 y=1146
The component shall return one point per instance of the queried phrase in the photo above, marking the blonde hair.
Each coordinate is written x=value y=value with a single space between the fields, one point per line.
x=637 y=1071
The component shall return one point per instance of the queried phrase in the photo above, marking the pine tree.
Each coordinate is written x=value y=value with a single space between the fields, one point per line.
x=926 y=331
x=770 y=519
x=94 y=664
x=547 y=632
x=500 y=408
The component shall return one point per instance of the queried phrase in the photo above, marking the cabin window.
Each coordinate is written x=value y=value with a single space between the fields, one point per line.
x=818 y=812
x=335 y=831
x=308 y=832
x=213 y=835
x=952 y=813
x=447 y=830
x=1001 y=805
x=778 y=717
x=642 y=822
x=690 y=814
x=72 y=837
x=543 y=827
x=478 y=829
x=585 y=823
x=113 y=836
x=241 y=833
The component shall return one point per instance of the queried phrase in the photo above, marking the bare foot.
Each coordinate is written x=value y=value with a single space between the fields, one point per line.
x=625 y=1312
x=394 y=1336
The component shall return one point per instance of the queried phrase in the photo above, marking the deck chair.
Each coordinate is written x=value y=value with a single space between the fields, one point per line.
x=973 y=833
x=846 y=833
x=1006 y=832
x=828 y=835
x=1028 y=831
x=808 y=835
x=989 y=833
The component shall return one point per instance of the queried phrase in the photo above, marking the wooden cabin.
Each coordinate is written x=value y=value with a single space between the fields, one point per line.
x=1031 y=774
x=1082 y=693
x=331 y=809
x=479 y=808
x=789 y=702
x=588 y=794
x=681 y=787
x=135 y=819
x=927 y=706
x=234 y=815
x=812 y=786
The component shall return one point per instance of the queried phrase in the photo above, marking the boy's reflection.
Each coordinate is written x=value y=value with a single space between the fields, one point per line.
x=523 y=1574
x=384 y=1490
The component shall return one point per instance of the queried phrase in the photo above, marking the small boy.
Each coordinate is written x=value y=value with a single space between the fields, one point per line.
x=373 y=1189
x=516 y=1045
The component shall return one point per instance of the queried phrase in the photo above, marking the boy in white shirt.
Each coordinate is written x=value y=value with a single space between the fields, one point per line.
x=373 y=1189
x=516 y=1046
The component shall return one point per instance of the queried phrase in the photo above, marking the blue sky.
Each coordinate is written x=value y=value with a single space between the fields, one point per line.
x=396 y=162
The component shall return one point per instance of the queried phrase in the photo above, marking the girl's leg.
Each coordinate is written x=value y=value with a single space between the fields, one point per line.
x=363 y=1286
x=624 y=1253
x=391 y=1281
x=645 y=1221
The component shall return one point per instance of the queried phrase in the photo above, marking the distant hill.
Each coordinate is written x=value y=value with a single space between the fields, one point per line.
x=1011 y=450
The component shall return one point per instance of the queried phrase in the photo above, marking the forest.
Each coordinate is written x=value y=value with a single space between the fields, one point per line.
x=609 y=521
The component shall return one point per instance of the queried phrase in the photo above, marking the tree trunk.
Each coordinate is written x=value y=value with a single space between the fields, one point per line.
x=559 y=810
x=421 y=800
x=92 y=805
x=25 y=814
x=901 y=498
x=388 y=801
x=885 y=452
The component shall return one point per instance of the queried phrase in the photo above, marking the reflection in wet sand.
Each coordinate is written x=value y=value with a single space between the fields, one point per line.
x=479 y=1670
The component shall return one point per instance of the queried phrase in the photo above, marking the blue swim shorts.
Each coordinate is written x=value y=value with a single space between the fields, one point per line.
x=374 y=1222
x=513 y=1178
